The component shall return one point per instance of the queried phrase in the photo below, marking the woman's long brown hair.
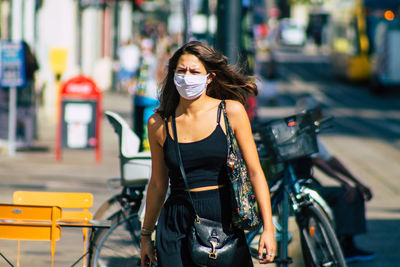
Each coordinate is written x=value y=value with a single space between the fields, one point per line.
x=227 y=83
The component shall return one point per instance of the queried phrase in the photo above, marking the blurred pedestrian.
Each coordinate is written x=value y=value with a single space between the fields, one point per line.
x=346 y=200
x=145 y=93
x=26 y=101
x=314 y=30
x=129 y=59
x=197 y=81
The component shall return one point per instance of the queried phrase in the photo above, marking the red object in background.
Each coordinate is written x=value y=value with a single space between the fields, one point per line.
x=262 y=30
x=80 y=90
x=251 y=107
x=80 y=87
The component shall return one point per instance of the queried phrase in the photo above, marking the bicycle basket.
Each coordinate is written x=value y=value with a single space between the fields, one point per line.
x=291 y=137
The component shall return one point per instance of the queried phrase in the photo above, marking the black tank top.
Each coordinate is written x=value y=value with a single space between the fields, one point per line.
x=204 y=161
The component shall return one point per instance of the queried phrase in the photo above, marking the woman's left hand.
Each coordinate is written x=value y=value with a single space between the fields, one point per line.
x=266 y=244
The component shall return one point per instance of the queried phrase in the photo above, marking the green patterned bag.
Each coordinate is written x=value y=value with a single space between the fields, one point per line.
x=245 y=213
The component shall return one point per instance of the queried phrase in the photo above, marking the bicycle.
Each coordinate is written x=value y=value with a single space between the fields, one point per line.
x=286 y=140
x=120 y=244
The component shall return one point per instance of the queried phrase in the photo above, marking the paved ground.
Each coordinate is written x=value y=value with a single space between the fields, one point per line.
x=377 y=162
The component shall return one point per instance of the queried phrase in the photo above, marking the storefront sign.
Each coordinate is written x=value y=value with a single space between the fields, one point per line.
x=12 y=64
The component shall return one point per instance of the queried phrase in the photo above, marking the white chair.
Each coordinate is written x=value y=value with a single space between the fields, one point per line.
x=135 y=166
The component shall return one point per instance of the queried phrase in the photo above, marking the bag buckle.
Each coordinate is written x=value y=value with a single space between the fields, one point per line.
x=212 y=254
x=214 y=235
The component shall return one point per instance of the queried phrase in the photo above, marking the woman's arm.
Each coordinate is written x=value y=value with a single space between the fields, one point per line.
x=158 y=184
x=242 y=129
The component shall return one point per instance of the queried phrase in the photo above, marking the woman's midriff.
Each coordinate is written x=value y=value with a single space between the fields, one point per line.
x=205 y=188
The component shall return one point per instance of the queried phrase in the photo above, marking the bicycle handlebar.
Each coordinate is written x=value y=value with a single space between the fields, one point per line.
x=258 y=127
x=318 y=123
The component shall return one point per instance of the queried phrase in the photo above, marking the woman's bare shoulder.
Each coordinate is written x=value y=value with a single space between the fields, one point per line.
x=234 y=108
x=155 y=119
x=156 y=124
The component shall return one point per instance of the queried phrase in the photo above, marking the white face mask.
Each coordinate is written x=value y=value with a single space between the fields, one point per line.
x=190 y=86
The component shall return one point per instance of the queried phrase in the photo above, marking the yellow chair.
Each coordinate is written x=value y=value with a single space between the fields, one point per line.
x=75 y=207
x=27 y=222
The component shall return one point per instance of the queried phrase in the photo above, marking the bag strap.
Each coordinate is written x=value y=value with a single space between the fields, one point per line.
x=227 y=124
x=219 y=112
x=179 y=157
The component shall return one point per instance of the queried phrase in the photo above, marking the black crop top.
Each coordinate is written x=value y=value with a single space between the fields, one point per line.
x=204 y=161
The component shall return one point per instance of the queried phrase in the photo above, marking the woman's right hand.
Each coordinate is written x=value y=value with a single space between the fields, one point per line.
x=266 y=245
x=147 y=252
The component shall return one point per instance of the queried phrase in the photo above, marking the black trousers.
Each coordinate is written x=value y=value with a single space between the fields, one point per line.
x=177 y=217
x=138 y=114
x=349 y=216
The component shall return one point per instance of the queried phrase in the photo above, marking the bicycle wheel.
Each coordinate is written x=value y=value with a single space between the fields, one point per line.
x=120 y=244
x=130 y=199
x=319 y=243
x=109 y=207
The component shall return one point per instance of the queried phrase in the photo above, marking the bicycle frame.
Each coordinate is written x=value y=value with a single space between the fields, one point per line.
x=291 y=195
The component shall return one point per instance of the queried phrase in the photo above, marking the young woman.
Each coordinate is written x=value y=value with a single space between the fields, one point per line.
x=198 y=79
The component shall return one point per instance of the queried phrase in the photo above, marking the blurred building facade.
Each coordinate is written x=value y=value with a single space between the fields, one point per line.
x=85 y=31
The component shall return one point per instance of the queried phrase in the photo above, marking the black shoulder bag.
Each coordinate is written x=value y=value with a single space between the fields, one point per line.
x=210 y=243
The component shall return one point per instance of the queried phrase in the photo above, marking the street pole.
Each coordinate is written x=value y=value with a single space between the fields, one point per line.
x=186 y=21
x=115 y=46
x=12 y=120
x=16 y=20
x=207 y=13
x=16 y=34
x=1 y=20
x=13 y=76
x=229 y=29
x=23 y=20
x=79 y=35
